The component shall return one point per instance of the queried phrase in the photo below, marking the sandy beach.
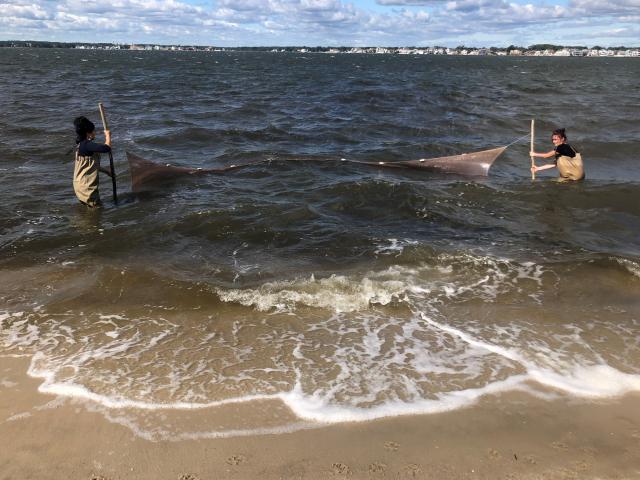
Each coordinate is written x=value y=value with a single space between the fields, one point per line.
x=512 y=436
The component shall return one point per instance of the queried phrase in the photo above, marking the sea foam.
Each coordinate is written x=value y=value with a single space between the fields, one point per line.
x=375 y=344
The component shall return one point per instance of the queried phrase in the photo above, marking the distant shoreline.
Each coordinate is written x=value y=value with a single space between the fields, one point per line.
x=541 y=50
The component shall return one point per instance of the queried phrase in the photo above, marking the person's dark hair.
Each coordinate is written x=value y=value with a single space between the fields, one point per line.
x=83 y=127
x=561 y=132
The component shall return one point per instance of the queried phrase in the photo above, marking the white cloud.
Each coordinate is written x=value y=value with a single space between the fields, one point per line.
x=319 y=5
x=26 y=12
x=245 y=5
x=407 y=3
x=320 y=22
x=606 y=6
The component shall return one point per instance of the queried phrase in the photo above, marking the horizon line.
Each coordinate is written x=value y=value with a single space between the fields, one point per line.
x=510 y=47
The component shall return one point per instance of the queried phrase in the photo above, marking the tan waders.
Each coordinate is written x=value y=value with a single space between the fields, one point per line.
x=570 y=168
x=85 y=179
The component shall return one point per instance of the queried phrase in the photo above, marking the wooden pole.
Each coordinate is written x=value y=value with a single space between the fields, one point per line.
x=533 y=174
x=113 y=172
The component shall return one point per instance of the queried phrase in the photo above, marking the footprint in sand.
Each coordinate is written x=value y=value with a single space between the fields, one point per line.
x=377 y=468
x=581 y=466
x=589 y=451
x=411 y=471
x=560 y=446
x=188 y=476
x=391 y=446
x=493 y=454
x=564 y=474
x=340 y=469
x=235 y=459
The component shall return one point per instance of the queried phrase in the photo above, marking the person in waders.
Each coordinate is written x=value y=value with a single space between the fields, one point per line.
x=85 y=174
x=567 y=159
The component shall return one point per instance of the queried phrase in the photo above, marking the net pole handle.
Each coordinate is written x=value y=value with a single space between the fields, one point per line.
x=114 y=187
x=103 y=116
x=533 y=163
x=113 y=171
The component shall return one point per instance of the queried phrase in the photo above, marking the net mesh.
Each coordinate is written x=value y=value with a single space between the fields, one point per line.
x=147 y=175
x=475 y=163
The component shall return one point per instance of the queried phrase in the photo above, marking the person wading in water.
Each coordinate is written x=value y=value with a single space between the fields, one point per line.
x=567 y=159
x=85 y=174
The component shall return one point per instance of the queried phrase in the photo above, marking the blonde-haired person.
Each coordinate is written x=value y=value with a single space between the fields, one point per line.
x=567 y=159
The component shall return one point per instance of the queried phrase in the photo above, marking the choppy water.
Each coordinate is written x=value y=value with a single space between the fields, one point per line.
x=318 y=291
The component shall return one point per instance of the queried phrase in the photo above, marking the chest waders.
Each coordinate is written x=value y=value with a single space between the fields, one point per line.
x=85 y=179
x=570 y=168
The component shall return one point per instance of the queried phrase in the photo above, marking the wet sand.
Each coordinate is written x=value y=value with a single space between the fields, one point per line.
x=512 y=436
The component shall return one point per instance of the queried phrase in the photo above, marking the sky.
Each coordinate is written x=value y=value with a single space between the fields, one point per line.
x=229 y=23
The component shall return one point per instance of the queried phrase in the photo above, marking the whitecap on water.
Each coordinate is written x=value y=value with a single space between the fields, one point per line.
x=631 y=266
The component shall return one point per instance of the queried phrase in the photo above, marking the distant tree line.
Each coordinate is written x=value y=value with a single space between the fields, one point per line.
x=43 y=44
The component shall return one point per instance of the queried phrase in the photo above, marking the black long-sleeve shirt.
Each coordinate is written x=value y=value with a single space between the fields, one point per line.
x=87 y=148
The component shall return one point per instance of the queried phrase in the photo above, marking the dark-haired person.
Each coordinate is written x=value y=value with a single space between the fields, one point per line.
x=85 y=174
x=567 y=159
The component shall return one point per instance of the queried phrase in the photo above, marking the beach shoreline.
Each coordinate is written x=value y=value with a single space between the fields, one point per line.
x=510 y=436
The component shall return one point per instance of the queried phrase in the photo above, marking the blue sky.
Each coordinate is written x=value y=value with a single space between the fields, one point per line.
x=326 y=22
